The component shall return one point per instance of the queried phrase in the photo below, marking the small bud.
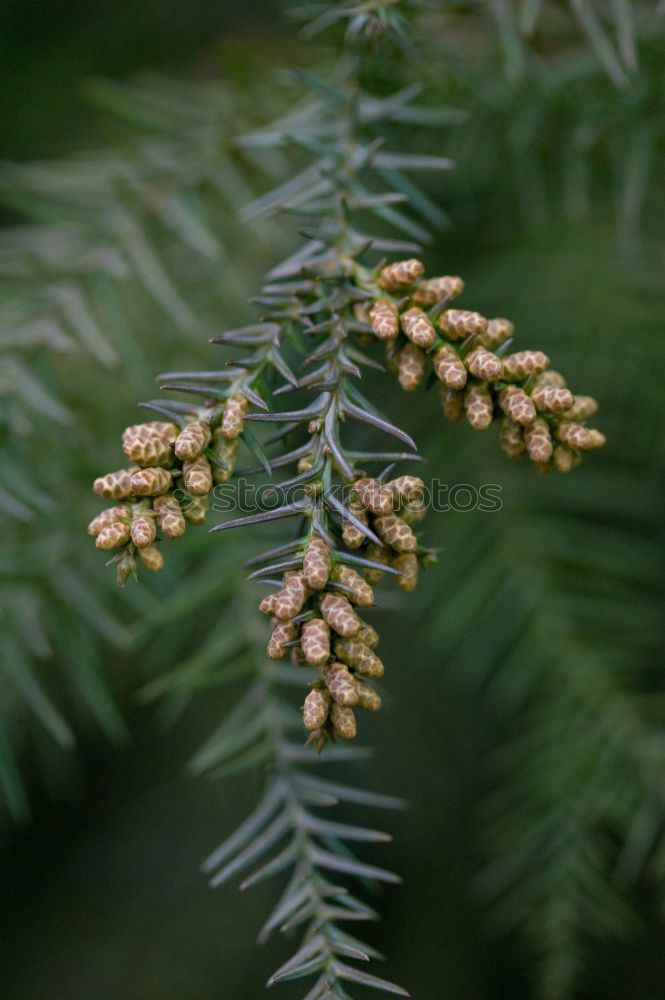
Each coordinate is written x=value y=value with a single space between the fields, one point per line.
x=407 y=564
x=483 y=364
x=267 y=605
x=551 y=398
x=315 y=710
x=401 y=274
x=343 y=722
x=373 y=496
x=478 y=406
x=429 y=292
x=452 y=403
x=352 y=536
x=552 y=378
x=521 y=365
x=384 y=319
x=151 y=558
x=459 y=323
x=316 y=563
x=315 y=642
x=368 y=698
x=150 y=482
x=418 y=327
x=511 y=438
x=583 y=407
x=339 y=614
x=406 y=488
x=339 y=681
x=317 y=739
x=396 y=533
x=114 y=485
x=113 y=535
x=197 y=476
x=449 y=368
x=281 y=634
x=361 y=592
x=358 y=655
x=228 y=452
x=143 y=531
x=574 y=435
x=125 y=567
x=498 y=331
x=195 y=510
x=517 y=405
x=290 y=599
x=313 y=488
x=538 y=441
x=597 y=438
x=170 y=520
x=106 y=517
x=148 y=451
x=192 y=440
x=412 y=367
x=233 y=420
x=379 y=553
x=563 y=458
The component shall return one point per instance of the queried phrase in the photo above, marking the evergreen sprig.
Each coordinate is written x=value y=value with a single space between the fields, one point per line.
x=327 y=294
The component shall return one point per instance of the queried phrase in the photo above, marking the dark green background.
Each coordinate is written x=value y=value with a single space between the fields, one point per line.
x=101 y=896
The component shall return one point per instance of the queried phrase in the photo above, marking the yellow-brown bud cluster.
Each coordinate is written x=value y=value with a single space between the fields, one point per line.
x=314 y=618
x=314 y=614
x=539 y=416
x=389 y=509
x=168 y=484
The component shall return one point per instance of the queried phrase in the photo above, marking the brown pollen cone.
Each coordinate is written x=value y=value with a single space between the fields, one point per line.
x=396 y=533
x=384 y=319
x=478 y=406
x=315 y=642
x=114 y=485
x=170 y=519
x=431 y=291
x=192 y=440
x=460 y=323
x=150 y=482
x=316 y=563
x=338 y=613
x=339 y=681
x=411 y=368
x=418 y=327
x=315 y=710
x=143 y=530
x=343 y=721
x=402 y=274
x=449 y=368
x=282 y=633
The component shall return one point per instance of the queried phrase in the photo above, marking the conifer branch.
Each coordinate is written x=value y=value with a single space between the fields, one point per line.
x=329 y=297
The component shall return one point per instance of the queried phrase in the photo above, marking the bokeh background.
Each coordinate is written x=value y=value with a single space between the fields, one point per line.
x=525 y=693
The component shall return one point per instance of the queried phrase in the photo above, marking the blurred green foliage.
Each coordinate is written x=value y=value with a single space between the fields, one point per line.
x=525 y=702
